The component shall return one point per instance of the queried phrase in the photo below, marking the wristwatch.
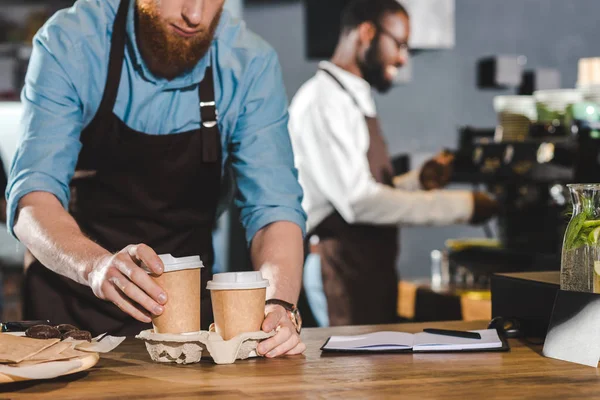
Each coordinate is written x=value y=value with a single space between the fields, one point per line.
x=292 y=311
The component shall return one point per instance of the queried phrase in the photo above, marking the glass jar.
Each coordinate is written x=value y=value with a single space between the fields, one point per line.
x=580 y=264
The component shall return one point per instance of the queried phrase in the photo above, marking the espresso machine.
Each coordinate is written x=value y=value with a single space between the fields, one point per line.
x=528 y=178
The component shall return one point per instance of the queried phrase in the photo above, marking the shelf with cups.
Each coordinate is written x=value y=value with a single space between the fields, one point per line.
x=549 y=114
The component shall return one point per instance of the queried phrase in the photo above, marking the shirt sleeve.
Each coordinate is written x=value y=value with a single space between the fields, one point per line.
x=261 y=152
x=49 y=144
x=408 y=181
x=396 y=206
x=344 y=177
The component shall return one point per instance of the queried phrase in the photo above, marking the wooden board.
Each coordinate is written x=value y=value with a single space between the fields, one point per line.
x=88 y=361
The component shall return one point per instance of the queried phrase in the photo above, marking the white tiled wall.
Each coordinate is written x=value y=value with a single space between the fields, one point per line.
x=10 y=114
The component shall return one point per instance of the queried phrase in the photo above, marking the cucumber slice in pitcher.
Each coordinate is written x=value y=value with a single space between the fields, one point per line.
x=594 y=236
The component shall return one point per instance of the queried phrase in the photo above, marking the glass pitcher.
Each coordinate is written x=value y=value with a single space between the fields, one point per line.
x=580 y=264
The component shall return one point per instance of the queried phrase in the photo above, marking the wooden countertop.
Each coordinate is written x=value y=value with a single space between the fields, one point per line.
x=522 y=373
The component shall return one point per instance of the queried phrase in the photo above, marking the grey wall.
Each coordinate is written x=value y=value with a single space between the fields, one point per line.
x=422 y=116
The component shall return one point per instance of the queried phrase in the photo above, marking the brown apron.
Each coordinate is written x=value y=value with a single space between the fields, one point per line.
x=358 y=261
x=131 y=187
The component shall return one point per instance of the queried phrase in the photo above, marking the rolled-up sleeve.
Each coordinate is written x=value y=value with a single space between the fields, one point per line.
x=261 y=152
x=49 y=144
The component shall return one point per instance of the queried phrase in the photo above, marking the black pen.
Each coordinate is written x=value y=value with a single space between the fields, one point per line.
x=460 y=334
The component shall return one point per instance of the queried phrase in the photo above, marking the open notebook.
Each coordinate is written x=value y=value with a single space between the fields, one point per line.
x=417 y=342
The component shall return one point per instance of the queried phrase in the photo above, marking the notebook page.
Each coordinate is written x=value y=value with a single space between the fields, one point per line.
x=372 y=341
x=429 y=342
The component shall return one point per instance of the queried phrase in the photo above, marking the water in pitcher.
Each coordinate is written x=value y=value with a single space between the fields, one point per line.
x=577 y=270
x=580 y=264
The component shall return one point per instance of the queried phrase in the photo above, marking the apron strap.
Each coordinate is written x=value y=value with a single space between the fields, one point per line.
x=115 y=65
x=208 y=113
x=335 y=78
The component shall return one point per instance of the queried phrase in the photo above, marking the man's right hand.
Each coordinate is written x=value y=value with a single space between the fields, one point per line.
x=484 y=208
x=119 y=278
x=436 y=173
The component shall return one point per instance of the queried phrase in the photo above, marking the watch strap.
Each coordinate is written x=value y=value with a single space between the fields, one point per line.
x=292 y=311
x=288 y=306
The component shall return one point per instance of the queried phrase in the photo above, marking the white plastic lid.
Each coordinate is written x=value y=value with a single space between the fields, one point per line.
x=179 y=264
x=237 y=280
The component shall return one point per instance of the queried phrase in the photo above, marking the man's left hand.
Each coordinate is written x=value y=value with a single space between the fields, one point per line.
x=286 y=341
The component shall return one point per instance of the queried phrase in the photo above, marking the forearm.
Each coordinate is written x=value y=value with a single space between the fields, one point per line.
x=278 y=252
x=408 y=181
x=54 y=238
x=386 y=206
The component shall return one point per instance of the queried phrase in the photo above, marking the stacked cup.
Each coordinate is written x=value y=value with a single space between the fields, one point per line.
x=588 y=80
x=515 y=115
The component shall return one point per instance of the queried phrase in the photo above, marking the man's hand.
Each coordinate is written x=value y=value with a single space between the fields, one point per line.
x=286 y=341
x=484 y=208
x=436 y=173
x=120 y=279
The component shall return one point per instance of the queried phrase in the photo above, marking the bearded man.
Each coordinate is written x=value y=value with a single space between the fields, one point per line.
x=134 y=109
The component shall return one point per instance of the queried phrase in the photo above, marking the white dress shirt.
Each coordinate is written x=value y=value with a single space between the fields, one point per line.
x=330 y=138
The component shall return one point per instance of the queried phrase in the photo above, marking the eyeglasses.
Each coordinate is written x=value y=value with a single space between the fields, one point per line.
x=402 y=46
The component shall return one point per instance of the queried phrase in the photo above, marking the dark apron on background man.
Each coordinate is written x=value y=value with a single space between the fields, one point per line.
x=131 y=187
x=358 y=261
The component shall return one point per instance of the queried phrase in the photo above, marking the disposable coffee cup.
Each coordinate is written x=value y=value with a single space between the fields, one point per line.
x=238 y=302
x=181 y=281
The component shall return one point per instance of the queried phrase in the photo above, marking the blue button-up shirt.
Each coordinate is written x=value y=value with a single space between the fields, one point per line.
x=64 y=86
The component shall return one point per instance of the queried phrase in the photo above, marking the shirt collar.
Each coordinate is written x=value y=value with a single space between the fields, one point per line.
x=191 y=78
x=357 y=86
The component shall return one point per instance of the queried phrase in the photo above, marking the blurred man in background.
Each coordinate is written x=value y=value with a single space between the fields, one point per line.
x=353 y=200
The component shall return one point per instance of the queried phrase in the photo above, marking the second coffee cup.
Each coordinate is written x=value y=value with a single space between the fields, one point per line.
x=238 y=302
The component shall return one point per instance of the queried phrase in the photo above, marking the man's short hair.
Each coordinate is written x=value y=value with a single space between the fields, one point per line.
x=360 y=11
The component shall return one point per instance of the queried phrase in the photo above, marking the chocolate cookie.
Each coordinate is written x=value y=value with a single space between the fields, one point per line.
x=42 y=332
x=64 y=328
x=78 y=335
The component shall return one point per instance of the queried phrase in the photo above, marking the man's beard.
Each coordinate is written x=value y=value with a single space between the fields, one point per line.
x=166 y=54
x=373 y=70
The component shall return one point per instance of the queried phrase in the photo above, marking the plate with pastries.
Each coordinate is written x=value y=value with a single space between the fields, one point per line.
x=30 y=351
